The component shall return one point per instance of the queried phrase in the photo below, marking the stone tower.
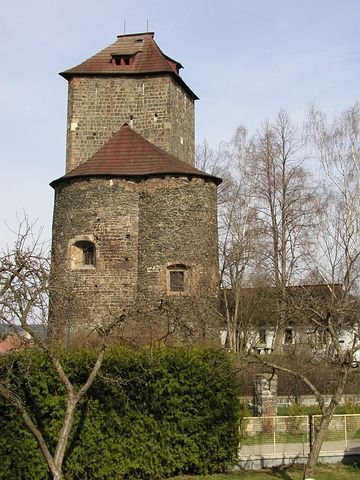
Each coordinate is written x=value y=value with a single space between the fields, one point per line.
x=134 y=225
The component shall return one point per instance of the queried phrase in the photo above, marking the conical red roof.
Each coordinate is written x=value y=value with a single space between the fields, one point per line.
x=128 y=154
x=134 y=54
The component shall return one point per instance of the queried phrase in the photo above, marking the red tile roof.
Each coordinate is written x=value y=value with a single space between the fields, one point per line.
x=128 y=154
x=144 y=57
x=14 y=342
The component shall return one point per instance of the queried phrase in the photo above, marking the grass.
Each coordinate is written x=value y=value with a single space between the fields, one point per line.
x=268 y=438
x=323 y=472
x=314 y=410
x=282 y=437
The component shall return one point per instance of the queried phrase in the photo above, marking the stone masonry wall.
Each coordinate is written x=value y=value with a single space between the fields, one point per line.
x=106 y=211
x=265 y=390
x=178 y=226
x=139 y=229
x=182 y=121
x=155 y=106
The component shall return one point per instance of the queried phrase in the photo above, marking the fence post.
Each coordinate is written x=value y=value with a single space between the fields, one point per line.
x=346 y=437
x=274 y=435
x=311 y=431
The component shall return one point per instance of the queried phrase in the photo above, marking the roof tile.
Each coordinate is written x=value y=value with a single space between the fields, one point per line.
x=147 y=58
x=128 y=154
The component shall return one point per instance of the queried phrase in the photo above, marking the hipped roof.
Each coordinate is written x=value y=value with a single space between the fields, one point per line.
x=127 y=154
x=147 y=59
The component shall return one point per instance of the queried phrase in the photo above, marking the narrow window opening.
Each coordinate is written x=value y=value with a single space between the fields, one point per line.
x=83 y=254
x=178 y=278
x=289 y=336
x=262 y=335
x=89 y=255
x=177 y=281
x=122 y=60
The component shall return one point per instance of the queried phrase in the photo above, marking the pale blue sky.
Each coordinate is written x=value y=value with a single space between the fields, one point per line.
x=245 y=59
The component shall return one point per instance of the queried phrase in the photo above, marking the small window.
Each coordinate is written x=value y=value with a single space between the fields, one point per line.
x=83 y=254
x=122 y=60
x=178 y=278
x=89 y=254
x=177 y=281
x=289 y=336
x=262 y=335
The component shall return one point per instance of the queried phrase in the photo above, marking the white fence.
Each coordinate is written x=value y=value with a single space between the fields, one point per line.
x=292 y=435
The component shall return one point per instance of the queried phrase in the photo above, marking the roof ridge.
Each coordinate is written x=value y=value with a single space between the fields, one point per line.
x=135 y=34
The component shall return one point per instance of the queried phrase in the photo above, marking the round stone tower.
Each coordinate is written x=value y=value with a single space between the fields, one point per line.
x=134 y=226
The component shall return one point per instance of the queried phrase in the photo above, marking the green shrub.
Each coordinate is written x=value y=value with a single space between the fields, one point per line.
x=244 y=420
x=350 y=406
x=294 y=422
x=147 y=416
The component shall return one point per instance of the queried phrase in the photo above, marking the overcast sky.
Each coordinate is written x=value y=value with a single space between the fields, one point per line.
x=245 y=59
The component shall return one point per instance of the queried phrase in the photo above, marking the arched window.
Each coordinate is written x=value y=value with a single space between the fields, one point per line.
x=178 y=278
x=83 y=254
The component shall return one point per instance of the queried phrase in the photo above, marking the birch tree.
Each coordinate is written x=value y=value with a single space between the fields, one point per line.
x=336 y=143
x=236 y=221
x=329 y=312
x=284 y=196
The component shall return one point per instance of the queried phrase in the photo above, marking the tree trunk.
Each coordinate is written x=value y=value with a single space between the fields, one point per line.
x=64 y=434
x=316 y=446
x=326 y=417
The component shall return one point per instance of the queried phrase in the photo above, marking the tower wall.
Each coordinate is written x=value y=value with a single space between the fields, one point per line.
x=178 y=229
x=155 y=106
x=105 y=212
x=140 y=231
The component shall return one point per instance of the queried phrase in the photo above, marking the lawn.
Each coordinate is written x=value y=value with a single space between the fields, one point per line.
x=323 y=472
x=314 y=410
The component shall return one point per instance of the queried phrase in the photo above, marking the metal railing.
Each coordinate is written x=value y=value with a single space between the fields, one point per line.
x=292 y=435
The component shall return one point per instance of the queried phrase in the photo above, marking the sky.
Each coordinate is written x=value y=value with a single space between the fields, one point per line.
x=245 y=59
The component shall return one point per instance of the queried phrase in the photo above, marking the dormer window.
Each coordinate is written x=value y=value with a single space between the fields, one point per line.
x=122 y=60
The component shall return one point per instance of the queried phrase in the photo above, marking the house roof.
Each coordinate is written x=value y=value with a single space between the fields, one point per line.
x=15 y=342
x=142 y=55
x=128 y=154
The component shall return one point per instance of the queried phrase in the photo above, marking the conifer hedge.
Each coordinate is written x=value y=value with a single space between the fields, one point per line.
x=147 y=416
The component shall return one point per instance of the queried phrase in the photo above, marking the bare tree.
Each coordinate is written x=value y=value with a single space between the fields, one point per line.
x=330 y=337
x=336 y=259
x=284 y=198
x=328 y=313
x=238 y=242
x=265 y=223
x=24 y=278
x=237 y=238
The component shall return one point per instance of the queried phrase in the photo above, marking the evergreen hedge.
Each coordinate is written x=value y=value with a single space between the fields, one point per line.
x=147 y=416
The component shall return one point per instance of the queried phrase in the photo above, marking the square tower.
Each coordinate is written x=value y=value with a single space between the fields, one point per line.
x=131 y=81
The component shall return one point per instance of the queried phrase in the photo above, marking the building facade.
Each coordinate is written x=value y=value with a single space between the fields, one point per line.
x=135 y=223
